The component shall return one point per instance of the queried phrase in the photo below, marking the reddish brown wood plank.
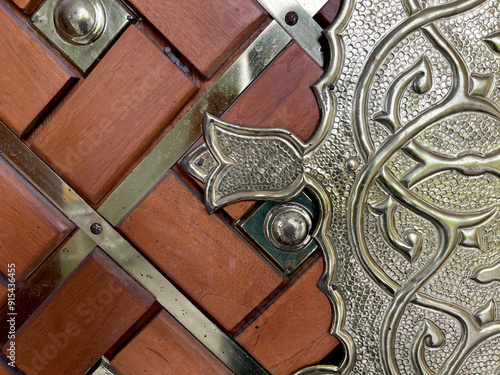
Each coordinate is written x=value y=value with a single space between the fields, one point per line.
x=206 y=32
x=3 y=296
x=282 y=96
x=31 y=78
x=113 y=116
x=200 y=252
x=328 y=13
x=165 y=347
x=28 y=6
x=81 y=320
x=294 y=331
x=238 y=209
x=5 y=369
x=31 y=226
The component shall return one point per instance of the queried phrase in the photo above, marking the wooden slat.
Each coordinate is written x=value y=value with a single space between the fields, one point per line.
x=30 y=226
x=113 y=116
x=81 y=320
x=328 y=13
x=294 y=331
x=3 y=371
x=204 y=31
x=199 y=252
x=238 y=209
x=282 y=96
x=3 y=296
x=28 y=6
x=165 y=347
x=31 y=78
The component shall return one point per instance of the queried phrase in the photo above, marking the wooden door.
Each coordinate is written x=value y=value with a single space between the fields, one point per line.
x=93 y=130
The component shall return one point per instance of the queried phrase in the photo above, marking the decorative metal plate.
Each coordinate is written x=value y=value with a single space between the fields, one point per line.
x=259 y=227
x=80 y=30
x=406 y=165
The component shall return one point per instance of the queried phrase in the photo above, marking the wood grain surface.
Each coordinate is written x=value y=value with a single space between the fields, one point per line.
x=165 y=347
x=3 y=296
x=123 y=104
x=31 y=78
x=206 y=32
x=294 y=331
x=281 y=96
x=28 y=6
x=81 y=320
x=328 y=13
x=31 y=226
x=200 y=253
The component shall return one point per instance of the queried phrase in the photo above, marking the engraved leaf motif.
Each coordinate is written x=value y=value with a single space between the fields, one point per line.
x=431 y=336
x=411 y=246
x=493 y=41
x=488 y=274
x=252 y=163
x=487 y=313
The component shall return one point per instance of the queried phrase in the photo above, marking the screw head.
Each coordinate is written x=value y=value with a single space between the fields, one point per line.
x=291 y=18
x=96 y=228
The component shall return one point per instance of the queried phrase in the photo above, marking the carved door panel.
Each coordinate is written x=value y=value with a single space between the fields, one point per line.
x=361 y=211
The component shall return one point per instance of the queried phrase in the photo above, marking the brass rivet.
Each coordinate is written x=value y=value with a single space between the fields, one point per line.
x=291 y=18
x=96 y=228
x=79 y=22
x=290 y=228
x=287 y=227
x=352 y=164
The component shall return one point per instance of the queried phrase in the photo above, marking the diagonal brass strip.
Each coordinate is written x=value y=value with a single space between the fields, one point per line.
x=312 y=6
x=187 y=131
x=304 y=31
x=109 y=240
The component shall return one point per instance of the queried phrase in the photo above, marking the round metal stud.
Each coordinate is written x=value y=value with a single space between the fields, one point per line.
x=79 y=22
x=352 y=164
x=287 y=227
x=291 y=18
x=96 y=228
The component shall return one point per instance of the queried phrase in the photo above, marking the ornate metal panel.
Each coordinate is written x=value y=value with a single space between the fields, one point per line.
x=405 y=167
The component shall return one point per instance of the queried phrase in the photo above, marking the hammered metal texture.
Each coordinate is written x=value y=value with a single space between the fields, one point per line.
x=411 y=237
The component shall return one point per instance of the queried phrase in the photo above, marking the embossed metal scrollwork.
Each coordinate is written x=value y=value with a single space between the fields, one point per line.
x=410 y=238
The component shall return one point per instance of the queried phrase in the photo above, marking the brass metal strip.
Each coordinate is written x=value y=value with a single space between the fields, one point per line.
x=298 y=22
x=109 y=240
x=187 y=131
x=102 y=367
x=312 y=6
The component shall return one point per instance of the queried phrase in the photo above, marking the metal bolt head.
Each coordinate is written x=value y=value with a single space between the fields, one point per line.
x=290 y=228
x=352 y=164
x=291 y=18
x=96 y=228
x=79 y=21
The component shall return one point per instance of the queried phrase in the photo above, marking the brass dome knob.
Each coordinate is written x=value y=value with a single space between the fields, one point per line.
x=79 y=22
x=290 y=228
x=287 y=227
